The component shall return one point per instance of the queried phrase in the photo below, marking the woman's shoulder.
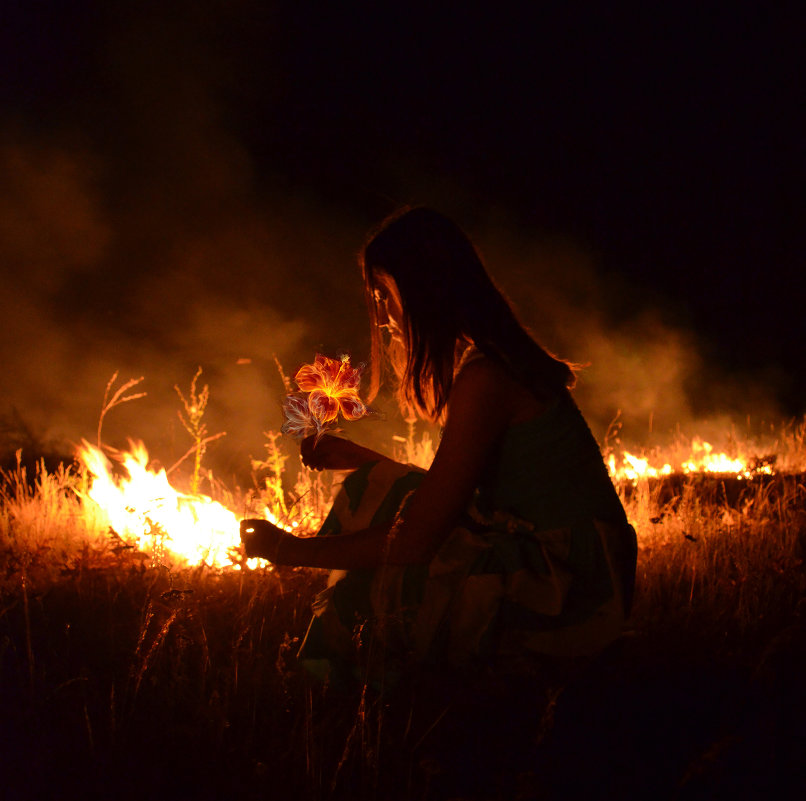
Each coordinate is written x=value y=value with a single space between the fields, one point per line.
x=478 y=373
x=476 y=368
x=469 y=355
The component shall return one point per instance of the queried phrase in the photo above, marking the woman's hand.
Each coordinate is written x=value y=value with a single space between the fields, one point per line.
x=261 y=538
x=334 y=453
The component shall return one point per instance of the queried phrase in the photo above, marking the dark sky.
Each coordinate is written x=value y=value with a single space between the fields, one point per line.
x=187 y=183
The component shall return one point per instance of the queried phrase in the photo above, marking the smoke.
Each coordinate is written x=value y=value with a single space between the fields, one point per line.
x=138 y=235
x=237 y=291
x=134 y=239
x=234 y=278
x=640 y=367
x=49 y=231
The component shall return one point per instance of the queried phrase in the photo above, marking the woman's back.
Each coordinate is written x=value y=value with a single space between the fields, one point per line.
x=549 y=470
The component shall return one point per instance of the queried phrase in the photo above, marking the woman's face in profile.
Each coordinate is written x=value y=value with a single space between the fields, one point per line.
x=389 y=305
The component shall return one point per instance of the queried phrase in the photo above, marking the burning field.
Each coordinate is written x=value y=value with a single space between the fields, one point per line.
x=190 y=182
x=141 y=653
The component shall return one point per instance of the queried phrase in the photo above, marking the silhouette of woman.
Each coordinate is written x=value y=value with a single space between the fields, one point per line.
x=514 y=542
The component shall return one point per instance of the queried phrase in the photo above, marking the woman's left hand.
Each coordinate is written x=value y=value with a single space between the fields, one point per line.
x=261 y=538
x=334 y=453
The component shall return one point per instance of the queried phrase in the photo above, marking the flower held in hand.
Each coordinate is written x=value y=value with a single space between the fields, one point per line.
x=332 y=387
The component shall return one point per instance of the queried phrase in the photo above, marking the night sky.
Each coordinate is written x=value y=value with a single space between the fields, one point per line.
x=188 y=184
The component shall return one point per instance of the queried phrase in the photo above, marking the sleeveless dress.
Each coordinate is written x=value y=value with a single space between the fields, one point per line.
x=542 y=562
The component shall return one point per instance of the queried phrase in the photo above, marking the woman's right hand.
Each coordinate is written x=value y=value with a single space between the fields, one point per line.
x=261 y=538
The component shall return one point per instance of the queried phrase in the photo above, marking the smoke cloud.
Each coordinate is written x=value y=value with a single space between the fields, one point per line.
x=139 y=236
x=229 y=296
x=639 y=367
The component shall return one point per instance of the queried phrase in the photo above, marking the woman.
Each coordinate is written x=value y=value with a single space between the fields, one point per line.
x=514 y=541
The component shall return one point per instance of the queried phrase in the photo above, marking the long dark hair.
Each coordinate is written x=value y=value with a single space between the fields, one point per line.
x=447 y=297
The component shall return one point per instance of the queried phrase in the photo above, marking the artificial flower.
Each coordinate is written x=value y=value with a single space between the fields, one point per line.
x=333 y=387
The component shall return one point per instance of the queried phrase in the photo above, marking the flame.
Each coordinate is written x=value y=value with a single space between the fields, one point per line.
x=702 y=459
x=145 y=508
x=635 y=467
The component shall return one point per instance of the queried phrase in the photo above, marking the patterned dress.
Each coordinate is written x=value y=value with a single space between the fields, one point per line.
x=542 y=562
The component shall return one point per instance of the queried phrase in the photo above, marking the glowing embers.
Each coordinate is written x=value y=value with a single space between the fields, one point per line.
x=161 y=521
x=700 y=459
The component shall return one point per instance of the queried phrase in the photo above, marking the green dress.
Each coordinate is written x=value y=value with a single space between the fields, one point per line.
x=542 y=562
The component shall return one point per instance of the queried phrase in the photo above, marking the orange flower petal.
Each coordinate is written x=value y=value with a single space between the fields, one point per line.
x=328 y=367
x=351 y=406
x=350 y=377
x=310 y=377
x=324 y=407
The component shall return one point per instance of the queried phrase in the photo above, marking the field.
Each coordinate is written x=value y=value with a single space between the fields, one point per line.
x=123 y=675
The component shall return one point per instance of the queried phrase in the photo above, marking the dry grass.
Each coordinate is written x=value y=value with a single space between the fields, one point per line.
x=720 y=568
x=119 y=678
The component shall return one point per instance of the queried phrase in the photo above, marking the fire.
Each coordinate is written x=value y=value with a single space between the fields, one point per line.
x=635 y=467
x=180 y=529
x=701 y=459
x=146 y=510
x=704 y=460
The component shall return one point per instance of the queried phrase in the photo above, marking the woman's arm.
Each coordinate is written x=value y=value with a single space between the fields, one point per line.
x=479 y=409
x=363 y=548
x=335 y=453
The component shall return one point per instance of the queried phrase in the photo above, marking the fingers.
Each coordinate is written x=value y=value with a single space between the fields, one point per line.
x=307 y=452
x=306 y=449
x=249 y=536
x=310 y=461
x=257 y=526
x=327 y=453
x=260 y=538
x=251 y=525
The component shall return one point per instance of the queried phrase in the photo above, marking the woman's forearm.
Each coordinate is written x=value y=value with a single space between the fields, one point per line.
x=370 y=547
x=359 y=456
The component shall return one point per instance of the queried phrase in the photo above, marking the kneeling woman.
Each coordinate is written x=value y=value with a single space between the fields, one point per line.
x=514 y=542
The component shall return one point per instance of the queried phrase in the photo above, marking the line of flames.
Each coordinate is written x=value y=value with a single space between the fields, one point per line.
x=146 y=511
x=702 y=459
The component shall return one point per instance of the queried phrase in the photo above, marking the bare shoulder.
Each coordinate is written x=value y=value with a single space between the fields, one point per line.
x=481 y=371
x=483 y=379
x=491 y=384
x=483 y=393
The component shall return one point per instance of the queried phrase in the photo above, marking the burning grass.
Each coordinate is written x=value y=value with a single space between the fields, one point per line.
x=126 y=669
